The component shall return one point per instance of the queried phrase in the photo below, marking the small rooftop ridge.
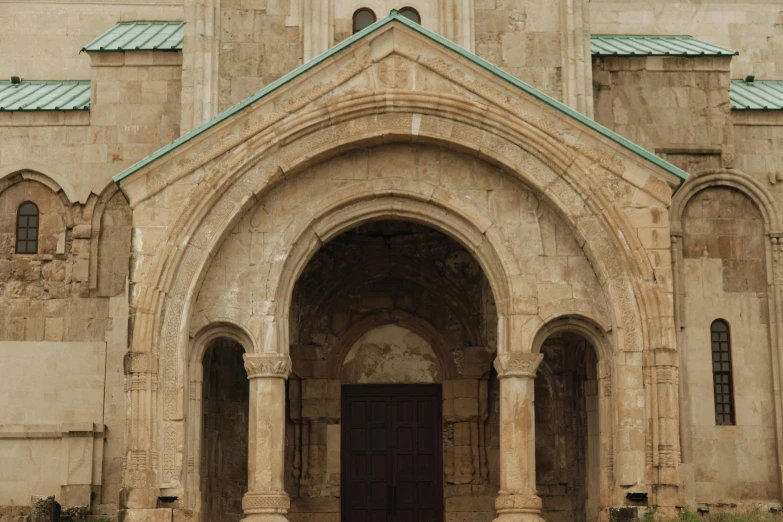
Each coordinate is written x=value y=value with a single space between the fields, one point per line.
x=758 y=95
x=71 y=95
x=140 y=36
x=649 y=45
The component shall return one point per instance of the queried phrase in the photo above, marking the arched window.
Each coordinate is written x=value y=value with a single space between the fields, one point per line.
x=27 y=229
x=721 y=373
x=411 y=14
x=362 y=19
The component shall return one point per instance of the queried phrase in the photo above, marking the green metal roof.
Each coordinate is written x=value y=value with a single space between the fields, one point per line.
x=640 y=45
x=394 y=16
x=45 y=96
x=758 y=95
x=140 y=36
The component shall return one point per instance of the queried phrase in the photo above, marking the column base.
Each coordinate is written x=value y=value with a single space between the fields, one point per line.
x=519 y=517
x=518 y=506
x=264 y=517
x=270 y=506
x=144 y=515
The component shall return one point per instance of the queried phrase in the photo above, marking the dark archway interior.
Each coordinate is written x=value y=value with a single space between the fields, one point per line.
x=225 y=407
x=566 y=406
x=392 y=302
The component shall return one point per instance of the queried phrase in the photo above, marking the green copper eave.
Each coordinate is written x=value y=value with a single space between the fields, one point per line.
x=395 y=16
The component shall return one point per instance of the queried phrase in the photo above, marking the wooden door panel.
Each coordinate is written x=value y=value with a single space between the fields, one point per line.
x=391 y=454
x=365 y=459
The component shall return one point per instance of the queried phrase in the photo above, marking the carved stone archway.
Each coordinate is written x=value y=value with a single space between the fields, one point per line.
x=586 y=177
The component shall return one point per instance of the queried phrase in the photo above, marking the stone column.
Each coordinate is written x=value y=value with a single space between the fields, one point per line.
x=517 y=499
x=266 y=499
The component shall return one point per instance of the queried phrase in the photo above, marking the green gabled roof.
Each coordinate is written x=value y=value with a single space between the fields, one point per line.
x=642 y=45
x=758 y=95
x=394 y=16
x=140 y=36
x=45 y=96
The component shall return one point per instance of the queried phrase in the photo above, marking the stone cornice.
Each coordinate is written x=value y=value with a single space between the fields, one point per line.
x=267 y=365
x=517 y=364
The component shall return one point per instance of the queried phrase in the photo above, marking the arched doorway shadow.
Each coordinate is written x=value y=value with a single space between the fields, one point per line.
x=392 y=355
x=573 y=393
x=217 y=422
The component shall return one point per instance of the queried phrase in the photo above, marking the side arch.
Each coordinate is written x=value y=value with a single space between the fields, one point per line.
x=42 y=174
x=194 y=377
x=735 y=179
x=584 y=326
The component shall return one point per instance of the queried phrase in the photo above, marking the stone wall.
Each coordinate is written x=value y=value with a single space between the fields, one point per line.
x=752 y=28
x=67 y=340
x=725 y=278
x=51 y=433
x=258 y=45
x=675 y=107
x=758 y=138
x=54 y=32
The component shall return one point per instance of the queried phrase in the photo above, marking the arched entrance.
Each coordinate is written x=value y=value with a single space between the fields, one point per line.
x=224 y=405
x=574 y=425
x=393 y=334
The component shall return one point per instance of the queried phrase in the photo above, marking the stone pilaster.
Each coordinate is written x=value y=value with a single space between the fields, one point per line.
x=668 y=492
x=517 y=500
x=140 y=491
x=266 y=499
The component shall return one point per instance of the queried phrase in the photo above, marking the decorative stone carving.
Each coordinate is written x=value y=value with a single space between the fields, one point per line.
x=517 y=364
x=267 y=365
x=266 y=503
x=140 y=362
x=518 y=502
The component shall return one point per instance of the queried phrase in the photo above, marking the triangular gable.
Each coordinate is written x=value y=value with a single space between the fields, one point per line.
x=394 y=16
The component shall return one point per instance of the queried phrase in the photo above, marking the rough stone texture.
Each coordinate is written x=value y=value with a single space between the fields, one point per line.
x=672 y=106
x=14 y=513
x=390 y=354
x=721 y=223
x=44 y=509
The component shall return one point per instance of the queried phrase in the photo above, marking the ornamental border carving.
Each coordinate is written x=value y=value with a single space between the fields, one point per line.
x=266 y=503
x=508 y=502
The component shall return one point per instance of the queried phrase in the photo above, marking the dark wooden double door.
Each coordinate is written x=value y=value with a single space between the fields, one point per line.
x=391 y=453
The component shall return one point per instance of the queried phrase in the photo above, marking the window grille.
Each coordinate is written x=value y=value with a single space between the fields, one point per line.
x=722 y=373
x=27 y=228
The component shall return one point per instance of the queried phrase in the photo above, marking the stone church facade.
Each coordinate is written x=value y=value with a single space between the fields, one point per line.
x=472 y=260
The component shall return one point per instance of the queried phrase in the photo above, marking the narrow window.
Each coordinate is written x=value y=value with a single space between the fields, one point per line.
x=27 y=229
x=411 y=14
x=362 y=19
x=721 y=373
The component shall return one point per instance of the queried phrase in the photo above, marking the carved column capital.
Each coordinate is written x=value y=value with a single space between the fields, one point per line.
x=517 y=364
x=267 y=365
x=262 y=503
